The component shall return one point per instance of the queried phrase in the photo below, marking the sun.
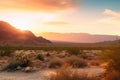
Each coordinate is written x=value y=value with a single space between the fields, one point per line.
x=18 y=20
x=20 y=25
x=28 y=21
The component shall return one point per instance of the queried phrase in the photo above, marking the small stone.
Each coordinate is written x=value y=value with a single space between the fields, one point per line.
x=34 y=69
x=28 y=69
x=19 y=68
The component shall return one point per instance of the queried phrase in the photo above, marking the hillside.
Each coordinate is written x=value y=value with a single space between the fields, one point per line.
x=9 y=35
x=78 y=37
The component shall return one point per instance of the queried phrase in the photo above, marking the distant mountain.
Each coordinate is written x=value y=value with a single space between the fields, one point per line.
x=9 y=35
x=78 y=37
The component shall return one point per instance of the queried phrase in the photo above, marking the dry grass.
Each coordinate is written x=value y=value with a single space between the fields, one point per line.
x=68 y=74
x=76 y=62
x=55 y=63
x=112 y=76
x=94 y=63
x=6 y=52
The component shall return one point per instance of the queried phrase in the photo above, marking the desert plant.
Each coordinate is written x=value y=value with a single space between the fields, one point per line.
x=74 y=51
x=48 y=54
x=12 y=65
x=19 y=60
x=95 y=62
x=112 y=57
x=6 y=52
x=69 y=74
x=76 y=62
x=112 y=76
x=40 y=57
x=24 y=59
x=55 y=63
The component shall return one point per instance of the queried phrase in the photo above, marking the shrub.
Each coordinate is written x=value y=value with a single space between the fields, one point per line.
x=48 y=54
x=74 y=51
x=68 y=74
x=24 y=59
x=95 y=63
x=21 y=60
x=76 y=62
x=5 y=52
x=112 y=57
x=112 y=76
x=40 y=57
x=12 y=66
x=55 y=63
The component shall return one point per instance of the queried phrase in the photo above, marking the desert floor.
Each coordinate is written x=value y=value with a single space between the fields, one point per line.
x=42 y=74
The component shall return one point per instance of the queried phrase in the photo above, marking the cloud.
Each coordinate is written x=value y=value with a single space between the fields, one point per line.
x=111 y=17
x=56 y=23
x=41 y=5
x=111 y=13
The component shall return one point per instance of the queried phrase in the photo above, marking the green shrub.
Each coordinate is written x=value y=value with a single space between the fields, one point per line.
x=74 y=51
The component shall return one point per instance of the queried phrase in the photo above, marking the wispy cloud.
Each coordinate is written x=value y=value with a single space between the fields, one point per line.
x=56 y=23
x=41 y=5
x=111 y=13
x=111 y=17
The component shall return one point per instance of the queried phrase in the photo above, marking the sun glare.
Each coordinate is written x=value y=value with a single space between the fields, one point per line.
x=20 y=25
x=26 y=21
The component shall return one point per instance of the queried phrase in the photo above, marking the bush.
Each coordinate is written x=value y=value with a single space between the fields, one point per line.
x=95 y=62
x=76 y=62
x=12 y=66
x=74 y=51
x=55 y=63
x=5 y=53
x=40 y=57
x=48 y=54
x=112 y=57
x=112 y=76
x=19 y=60
x=24 y=59
x=68 y=74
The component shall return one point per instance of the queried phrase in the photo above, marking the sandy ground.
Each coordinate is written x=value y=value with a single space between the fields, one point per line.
x=40 y=75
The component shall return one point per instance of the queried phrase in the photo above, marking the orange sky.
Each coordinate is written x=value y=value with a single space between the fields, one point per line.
x=62 y=16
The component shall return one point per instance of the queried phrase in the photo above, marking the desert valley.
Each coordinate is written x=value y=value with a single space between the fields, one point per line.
x=59 y=40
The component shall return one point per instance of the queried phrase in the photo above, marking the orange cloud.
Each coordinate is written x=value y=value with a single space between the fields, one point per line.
x=56 y=23
x=41 y=5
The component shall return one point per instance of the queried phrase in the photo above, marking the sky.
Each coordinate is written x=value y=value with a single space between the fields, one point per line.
x=63 y=16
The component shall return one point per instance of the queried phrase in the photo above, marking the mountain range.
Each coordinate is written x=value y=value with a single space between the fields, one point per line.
x=9 y=35
x=78 y=37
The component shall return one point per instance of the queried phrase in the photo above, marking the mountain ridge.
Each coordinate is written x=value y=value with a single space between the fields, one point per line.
x=78 y=37
x=9 y=35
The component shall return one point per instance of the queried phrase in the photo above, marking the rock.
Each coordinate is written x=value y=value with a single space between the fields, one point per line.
x=19 y=68
x=34 y=69
x=28 y=69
